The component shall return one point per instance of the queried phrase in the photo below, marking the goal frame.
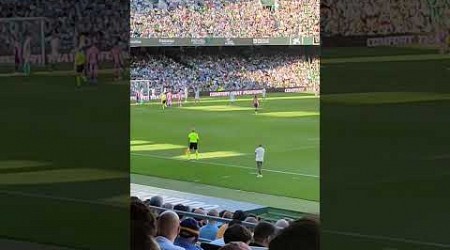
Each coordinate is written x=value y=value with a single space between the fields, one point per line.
x=41 y=30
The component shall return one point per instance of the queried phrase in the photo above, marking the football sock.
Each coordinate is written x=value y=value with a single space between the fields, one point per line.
x=78 y=81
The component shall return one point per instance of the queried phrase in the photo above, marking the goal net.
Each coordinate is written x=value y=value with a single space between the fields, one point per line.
x=140 y=89
x=15 y=30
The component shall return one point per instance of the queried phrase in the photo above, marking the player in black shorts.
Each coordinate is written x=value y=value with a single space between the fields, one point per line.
x=193 y=139
x=256 y=104
x=193 y=146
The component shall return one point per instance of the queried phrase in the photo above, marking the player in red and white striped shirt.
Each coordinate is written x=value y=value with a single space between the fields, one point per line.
x=93 y=60
x=116 y=53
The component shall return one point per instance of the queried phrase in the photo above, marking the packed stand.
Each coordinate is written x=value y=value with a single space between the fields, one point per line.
x=223 y=18
x=213 y=73
x=354 y=17
x=159 y=226
x=69 y=18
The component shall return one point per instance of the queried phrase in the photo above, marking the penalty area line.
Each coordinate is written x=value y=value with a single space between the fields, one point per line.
x=227 y=165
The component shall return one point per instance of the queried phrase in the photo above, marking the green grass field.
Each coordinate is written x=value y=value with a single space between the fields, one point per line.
x=287 y=126
x=385 y=158
x=57 y=175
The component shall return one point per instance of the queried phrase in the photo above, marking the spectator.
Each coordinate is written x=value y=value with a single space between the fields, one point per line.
x=238 y=216
x=235 y=246
x=281 y=223
x=220 y=18
x=237 y=232
x=228 y=70
x=156 y=201
x=182 y=208
x=251 y=220
x=168 y=225
x=263 y=234
x=201 y=211
x=303 y=234
x=209 y=231
x=168 y=206
x=70 y=18
x=189 y=234
x=143 y=227
x=220 y=241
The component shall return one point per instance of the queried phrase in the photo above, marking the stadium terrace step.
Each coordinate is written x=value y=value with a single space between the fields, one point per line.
x=193 y=200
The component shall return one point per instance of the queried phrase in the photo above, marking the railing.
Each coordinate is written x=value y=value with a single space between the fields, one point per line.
x=201 y=216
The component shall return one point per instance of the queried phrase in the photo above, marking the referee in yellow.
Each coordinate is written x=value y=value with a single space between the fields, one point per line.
x=80 y=61
x=193 y=139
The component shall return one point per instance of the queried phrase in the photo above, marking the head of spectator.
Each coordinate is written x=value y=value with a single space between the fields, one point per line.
x=201 y=211
x=168 y=206
x=182 y=208
x=189 y=234
x=227 y=215
x=156 y=201
x=168 y=225
x=302 y=234
x=212 y=213
x=143 y=227
x=209 y=231
x=235 y=246
x=264 y=232
x=281 y=223
x=239 y=215
x=251 y=220
x=237 y=232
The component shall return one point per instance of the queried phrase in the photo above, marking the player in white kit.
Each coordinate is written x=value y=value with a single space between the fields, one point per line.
x=259 y=156
x=186 y=93
x=179 y=97
x=27 y=55
x=54 y=47
x=232 y=97
x=197 y=95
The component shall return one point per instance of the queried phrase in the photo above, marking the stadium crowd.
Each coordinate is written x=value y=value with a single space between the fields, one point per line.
x=168 y=229
x=223 y=18
x=354 y=17
x=68 y=18
x=225 y=72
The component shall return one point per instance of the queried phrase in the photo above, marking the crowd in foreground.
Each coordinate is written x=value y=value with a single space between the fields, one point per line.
x=227 y=72
x=224 y=18
x=168 y=229
x=354 y=17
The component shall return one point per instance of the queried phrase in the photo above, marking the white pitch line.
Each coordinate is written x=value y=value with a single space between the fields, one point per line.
x=380 y=237
x=227 y=165
x=287 y=150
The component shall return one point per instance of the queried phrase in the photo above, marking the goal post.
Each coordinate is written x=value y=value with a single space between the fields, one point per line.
x=15 y=29
x=141 y=87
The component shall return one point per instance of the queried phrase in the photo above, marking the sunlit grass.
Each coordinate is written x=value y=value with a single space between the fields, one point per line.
x=290 y=114
x=155 y=147
x=210 y=155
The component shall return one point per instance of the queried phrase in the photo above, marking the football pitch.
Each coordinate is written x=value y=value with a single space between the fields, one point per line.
x=287 y=126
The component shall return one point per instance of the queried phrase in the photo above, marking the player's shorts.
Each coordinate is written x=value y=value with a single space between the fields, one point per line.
x=255 y=105
x=164 y=102
x=259 y=164
x=80 y=68
x=193 y=145
x=92 y=67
